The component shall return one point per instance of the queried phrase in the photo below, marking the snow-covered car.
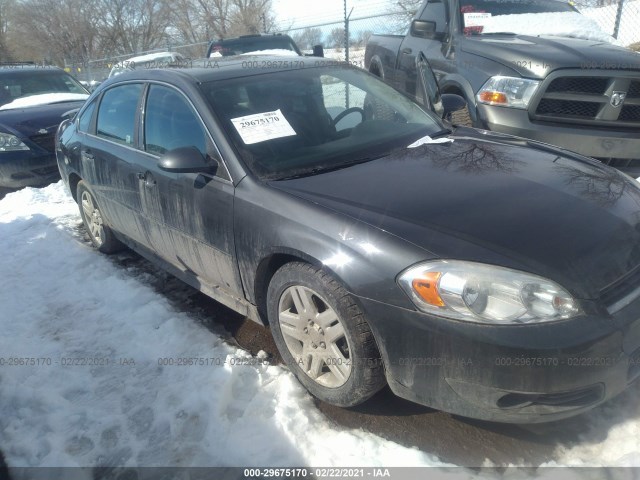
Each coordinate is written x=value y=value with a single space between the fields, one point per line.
x=33 y=102
x=478 y=273
x=151 y=60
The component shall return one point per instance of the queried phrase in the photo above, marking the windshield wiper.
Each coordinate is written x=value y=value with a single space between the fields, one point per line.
x=498 y=33
x=440 y=133
x=329 y=168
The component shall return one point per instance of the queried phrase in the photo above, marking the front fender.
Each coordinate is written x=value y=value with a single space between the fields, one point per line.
x=363 y=258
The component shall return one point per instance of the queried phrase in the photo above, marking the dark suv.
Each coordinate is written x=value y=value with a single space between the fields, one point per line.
x=34 y=100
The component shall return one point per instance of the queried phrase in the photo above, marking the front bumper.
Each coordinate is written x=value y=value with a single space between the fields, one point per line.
x=619 y=148
x=27 y=168
x=514 y=374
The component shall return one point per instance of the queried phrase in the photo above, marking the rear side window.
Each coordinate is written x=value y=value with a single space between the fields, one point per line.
x=84 y=122
x=171 y=123
x=117 y=113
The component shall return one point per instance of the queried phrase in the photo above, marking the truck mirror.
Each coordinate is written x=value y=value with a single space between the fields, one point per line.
x=318 y=51
x=426 y=29
x=452 y=102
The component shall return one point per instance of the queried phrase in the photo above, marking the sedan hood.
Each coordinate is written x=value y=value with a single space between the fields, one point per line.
x=37 y=120
x=536 y=57
x=495 y=199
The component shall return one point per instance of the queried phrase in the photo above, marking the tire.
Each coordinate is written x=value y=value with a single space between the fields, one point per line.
x=376 y=110
x=461 y=118
x=101 y=235
x=344 y=368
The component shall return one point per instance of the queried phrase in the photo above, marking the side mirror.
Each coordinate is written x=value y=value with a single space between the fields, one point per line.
x=318 y=51
x=187 y=160
x=452 y=102
x=426 y=29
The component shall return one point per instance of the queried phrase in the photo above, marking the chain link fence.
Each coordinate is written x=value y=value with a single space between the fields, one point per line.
x=345 y=38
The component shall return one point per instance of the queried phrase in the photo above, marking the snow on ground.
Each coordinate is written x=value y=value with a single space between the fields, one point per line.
x=613 y=436
x=63 y=300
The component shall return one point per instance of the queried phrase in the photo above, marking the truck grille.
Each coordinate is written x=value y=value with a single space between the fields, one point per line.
x=46 y=141
x=571 y=97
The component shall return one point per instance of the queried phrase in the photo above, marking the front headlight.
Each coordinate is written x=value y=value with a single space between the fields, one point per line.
x=11 y=143
x=486 y=294
x=508 y=92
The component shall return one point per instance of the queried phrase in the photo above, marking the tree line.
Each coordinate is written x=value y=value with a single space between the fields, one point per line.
x=76 y=31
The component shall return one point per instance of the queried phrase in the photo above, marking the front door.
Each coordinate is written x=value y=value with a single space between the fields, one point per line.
x=192 y=214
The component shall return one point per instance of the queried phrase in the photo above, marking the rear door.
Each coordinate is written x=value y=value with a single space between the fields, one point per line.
x=191 y=214
x=110 y=160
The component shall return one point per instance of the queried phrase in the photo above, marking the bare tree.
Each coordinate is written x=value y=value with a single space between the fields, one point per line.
x=5 y=12
x=336 y=38
x=128 y=26
x=362 y=37
x=37 y=34
x=202 y=20
x=308 y=37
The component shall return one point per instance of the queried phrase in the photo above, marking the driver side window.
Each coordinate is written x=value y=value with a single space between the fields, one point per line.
x=339 y=97
x=171 y=123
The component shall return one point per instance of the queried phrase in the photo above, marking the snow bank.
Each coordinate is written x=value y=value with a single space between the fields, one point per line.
x=561 y=24
x=612 y=438
x=44 y=99
x=62 y=300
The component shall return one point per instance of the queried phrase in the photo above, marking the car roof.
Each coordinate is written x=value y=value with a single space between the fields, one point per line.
x=29 y=67
x=224 y=68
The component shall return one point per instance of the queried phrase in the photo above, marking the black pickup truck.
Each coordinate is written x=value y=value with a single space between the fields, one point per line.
x=536 y=69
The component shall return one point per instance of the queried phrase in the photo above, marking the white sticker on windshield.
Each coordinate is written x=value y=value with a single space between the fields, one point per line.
x=427 y=140
x=262 y=127
x=476 y=19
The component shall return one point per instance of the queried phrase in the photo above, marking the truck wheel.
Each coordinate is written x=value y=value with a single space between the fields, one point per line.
x=100 y=234
x=461 y=117
x=376 y=110
x=323 y=336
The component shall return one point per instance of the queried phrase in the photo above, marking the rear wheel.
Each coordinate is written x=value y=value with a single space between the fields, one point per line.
x=323 y=336
x=100 y=234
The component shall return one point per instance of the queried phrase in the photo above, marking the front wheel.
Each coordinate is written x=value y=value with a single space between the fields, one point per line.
x=100 y=234
x=323 y=336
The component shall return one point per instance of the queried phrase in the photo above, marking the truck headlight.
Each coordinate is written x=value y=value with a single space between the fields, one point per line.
x=508 y=92
x=476 y=292
x=11 y=143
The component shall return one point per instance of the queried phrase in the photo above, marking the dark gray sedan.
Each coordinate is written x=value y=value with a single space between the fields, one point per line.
x=477 y=273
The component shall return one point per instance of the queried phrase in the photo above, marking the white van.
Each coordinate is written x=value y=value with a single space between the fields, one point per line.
x=151 y=60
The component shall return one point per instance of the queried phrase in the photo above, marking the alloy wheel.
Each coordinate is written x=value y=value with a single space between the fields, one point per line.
x=93 y=218
x=314 y=336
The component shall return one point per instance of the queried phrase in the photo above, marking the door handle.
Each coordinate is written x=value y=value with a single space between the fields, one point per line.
x=147 y=178
x=406 y=51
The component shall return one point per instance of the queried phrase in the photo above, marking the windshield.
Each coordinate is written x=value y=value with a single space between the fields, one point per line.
x=292 y=123
x=477 y=15
x=21 y=83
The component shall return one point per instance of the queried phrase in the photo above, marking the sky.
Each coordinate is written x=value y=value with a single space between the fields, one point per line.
x=299 y=13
